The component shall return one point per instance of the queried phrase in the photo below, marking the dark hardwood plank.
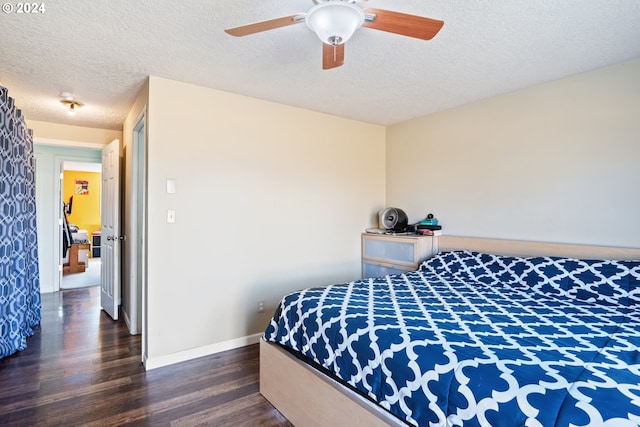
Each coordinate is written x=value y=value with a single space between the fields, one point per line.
x=83 y=369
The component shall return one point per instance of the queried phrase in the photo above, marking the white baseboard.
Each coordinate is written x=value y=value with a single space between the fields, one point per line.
x=126 y=320
x=182 y=356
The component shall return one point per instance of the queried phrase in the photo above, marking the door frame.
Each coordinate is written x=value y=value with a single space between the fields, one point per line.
x=58 y=190
x=136 y=231
x=49 y=155
x=53 y=218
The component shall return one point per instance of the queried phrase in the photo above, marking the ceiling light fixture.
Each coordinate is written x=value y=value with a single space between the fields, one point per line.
x=68 y=101
x=335 y=21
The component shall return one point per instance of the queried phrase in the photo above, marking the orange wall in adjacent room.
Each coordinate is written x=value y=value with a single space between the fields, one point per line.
x=85 y=211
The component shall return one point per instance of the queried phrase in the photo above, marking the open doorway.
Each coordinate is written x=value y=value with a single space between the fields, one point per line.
x=49 y=204
x=52 y=159
x=81 y=215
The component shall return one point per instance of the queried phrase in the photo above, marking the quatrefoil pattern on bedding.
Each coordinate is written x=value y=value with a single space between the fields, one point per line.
x=481 y=340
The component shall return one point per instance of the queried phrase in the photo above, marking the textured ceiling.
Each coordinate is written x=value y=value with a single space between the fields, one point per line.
x=102 y=51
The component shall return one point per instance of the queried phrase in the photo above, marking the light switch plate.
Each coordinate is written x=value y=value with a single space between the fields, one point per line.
x=171 y=186
x=171 y=216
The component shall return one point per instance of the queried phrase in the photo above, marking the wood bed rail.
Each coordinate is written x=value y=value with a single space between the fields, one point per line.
x=527 y=248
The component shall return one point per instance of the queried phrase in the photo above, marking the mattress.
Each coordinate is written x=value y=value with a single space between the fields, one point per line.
x=80 y=236
x=476 y=339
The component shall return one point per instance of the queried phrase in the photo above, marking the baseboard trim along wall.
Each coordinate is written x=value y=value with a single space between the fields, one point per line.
x=182 y=356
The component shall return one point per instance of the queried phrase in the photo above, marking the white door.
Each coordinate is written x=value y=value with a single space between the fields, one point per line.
x=110 y=231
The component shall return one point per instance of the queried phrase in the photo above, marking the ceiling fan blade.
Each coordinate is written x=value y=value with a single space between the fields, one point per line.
x=402 y=23
x=332 y=56
x=271 y=24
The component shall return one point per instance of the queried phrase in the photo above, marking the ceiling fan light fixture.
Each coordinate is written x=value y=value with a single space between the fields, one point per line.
x=334 y=21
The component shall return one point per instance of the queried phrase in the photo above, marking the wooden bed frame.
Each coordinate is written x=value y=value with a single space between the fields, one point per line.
x=309 y=398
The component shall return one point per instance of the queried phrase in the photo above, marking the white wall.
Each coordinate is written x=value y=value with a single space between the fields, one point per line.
x=269 y=199
x=46 y=133
x=558 y=162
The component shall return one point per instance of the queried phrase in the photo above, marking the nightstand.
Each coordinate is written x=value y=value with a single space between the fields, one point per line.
x=384 y=254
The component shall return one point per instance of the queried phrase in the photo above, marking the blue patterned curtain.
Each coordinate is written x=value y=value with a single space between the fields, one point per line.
x=20 y=308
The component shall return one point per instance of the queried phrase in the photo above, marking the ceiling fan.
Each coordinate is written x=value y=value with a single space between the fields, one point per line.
x=335 y=21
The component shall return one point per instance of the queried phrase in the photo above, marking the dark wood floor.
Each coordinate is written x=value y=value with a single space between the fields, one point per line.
x=81 y=368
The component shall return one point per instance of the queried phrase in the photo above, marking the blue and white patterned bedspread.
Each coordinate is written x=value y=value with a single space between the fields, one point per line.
x=481 y=340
